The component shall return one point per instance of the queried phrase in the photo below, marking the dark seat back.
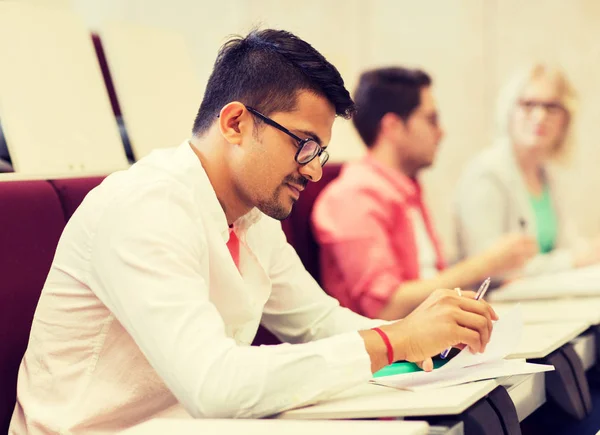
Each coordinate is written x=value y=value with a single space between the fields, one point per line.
x=31 y=221
x=303 y=237
x=72 y=191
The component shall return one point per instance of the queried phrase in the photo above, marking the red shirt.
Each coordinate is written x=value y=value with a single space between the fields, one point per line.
x=362 y=222
x=233 y=244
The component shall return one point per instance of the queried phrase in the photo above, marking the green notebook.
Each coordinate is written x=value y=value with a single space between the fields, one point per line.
x=405 y=367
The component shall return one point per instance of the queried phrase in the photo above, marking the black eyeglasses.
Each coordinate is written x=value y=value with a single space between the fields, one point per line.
x=308 y=148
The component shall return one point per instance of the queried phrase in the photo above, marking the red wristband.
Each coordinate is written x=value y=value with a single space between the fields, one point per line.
x=388 y=344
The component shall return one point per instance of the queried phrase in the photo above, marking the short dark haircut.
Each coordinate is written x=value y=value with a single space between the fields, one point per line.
x=386 y=90
x=266 y=70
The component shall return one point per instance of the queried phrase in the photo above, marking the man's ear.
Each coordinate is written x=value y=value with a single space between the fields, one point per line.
x=392 y=124
x=235 y=122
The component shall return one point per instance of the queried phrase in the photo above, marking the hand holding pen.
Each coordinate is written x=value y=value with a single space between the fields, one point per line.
x=440 y=321
x=479 y=295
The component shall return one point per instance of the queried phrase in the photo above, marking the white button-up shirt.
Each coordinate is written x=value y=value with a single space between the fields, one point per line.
x=144 y=309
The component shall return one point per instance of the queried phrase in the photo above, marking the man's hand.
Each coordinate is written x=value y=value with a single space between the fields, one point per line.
x=443 y=320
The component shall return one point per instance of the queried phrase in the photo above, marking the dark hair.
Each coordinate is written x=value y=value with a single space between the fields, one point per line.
x=265 y=70
x=380 y=91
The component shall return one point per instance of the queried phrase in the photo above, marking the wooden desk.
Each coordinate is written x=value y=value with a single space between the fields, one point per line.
x=289 y=427
x=373 y=401
x=585 y=347
x=582 y=282
x=541 y=339
x=528 y=392
x=564 y=309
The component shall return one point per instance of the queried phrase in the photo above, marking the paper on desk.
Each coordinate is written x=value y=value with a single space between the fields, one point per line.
x=578 y=282
x=467 y=367
x=446 y=378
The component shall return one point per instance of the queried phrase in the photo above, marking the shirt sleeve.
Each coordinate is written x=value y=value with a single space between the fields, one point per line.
x=147 y=263
x=355 y=231
x=299 y=310
x=481 y=215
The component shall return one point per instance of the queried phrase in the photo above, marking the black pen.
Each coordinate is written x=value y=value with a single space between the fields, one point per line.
x=523 y=224
x=479 y=295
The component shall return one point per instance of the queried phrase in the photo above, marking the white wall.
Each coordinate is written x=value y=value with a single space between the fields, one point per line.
x=468 y=46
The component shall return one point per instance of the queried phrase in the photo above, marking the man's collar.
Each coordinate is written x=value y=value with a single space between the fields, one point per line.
x=409 y=187
x=205 y=194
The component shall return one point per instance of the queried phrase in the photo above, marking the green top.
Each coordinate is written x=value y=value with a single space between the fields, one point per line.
x=405 y=367
x=545 y=220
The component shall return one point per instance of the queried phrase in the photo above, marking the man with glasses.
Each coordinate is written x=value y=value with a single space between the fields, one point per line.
x=380 y=253
x=163 y=275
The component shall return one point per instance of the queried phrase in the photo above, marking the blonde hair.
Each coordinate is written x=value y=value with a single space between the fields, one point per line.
x=511 y=92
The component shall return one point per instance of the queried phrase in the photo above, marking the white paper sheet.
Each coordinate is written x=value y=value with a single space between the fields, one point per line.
x=506 y=336
x=446 y=378
x=468 y=367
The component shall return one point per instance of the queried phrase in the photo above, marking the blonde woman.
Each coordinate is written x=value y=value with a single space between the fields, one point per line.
x=510 y=188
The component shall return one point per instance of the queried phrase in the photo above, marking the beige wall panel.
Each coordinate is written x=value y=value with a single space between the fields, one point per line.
x=55 y=112
x=204 y=24
x=156 y=84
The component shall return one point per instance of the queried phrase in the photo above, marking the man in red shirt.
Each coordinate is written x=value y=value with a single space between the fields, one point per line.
x=380 y=253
